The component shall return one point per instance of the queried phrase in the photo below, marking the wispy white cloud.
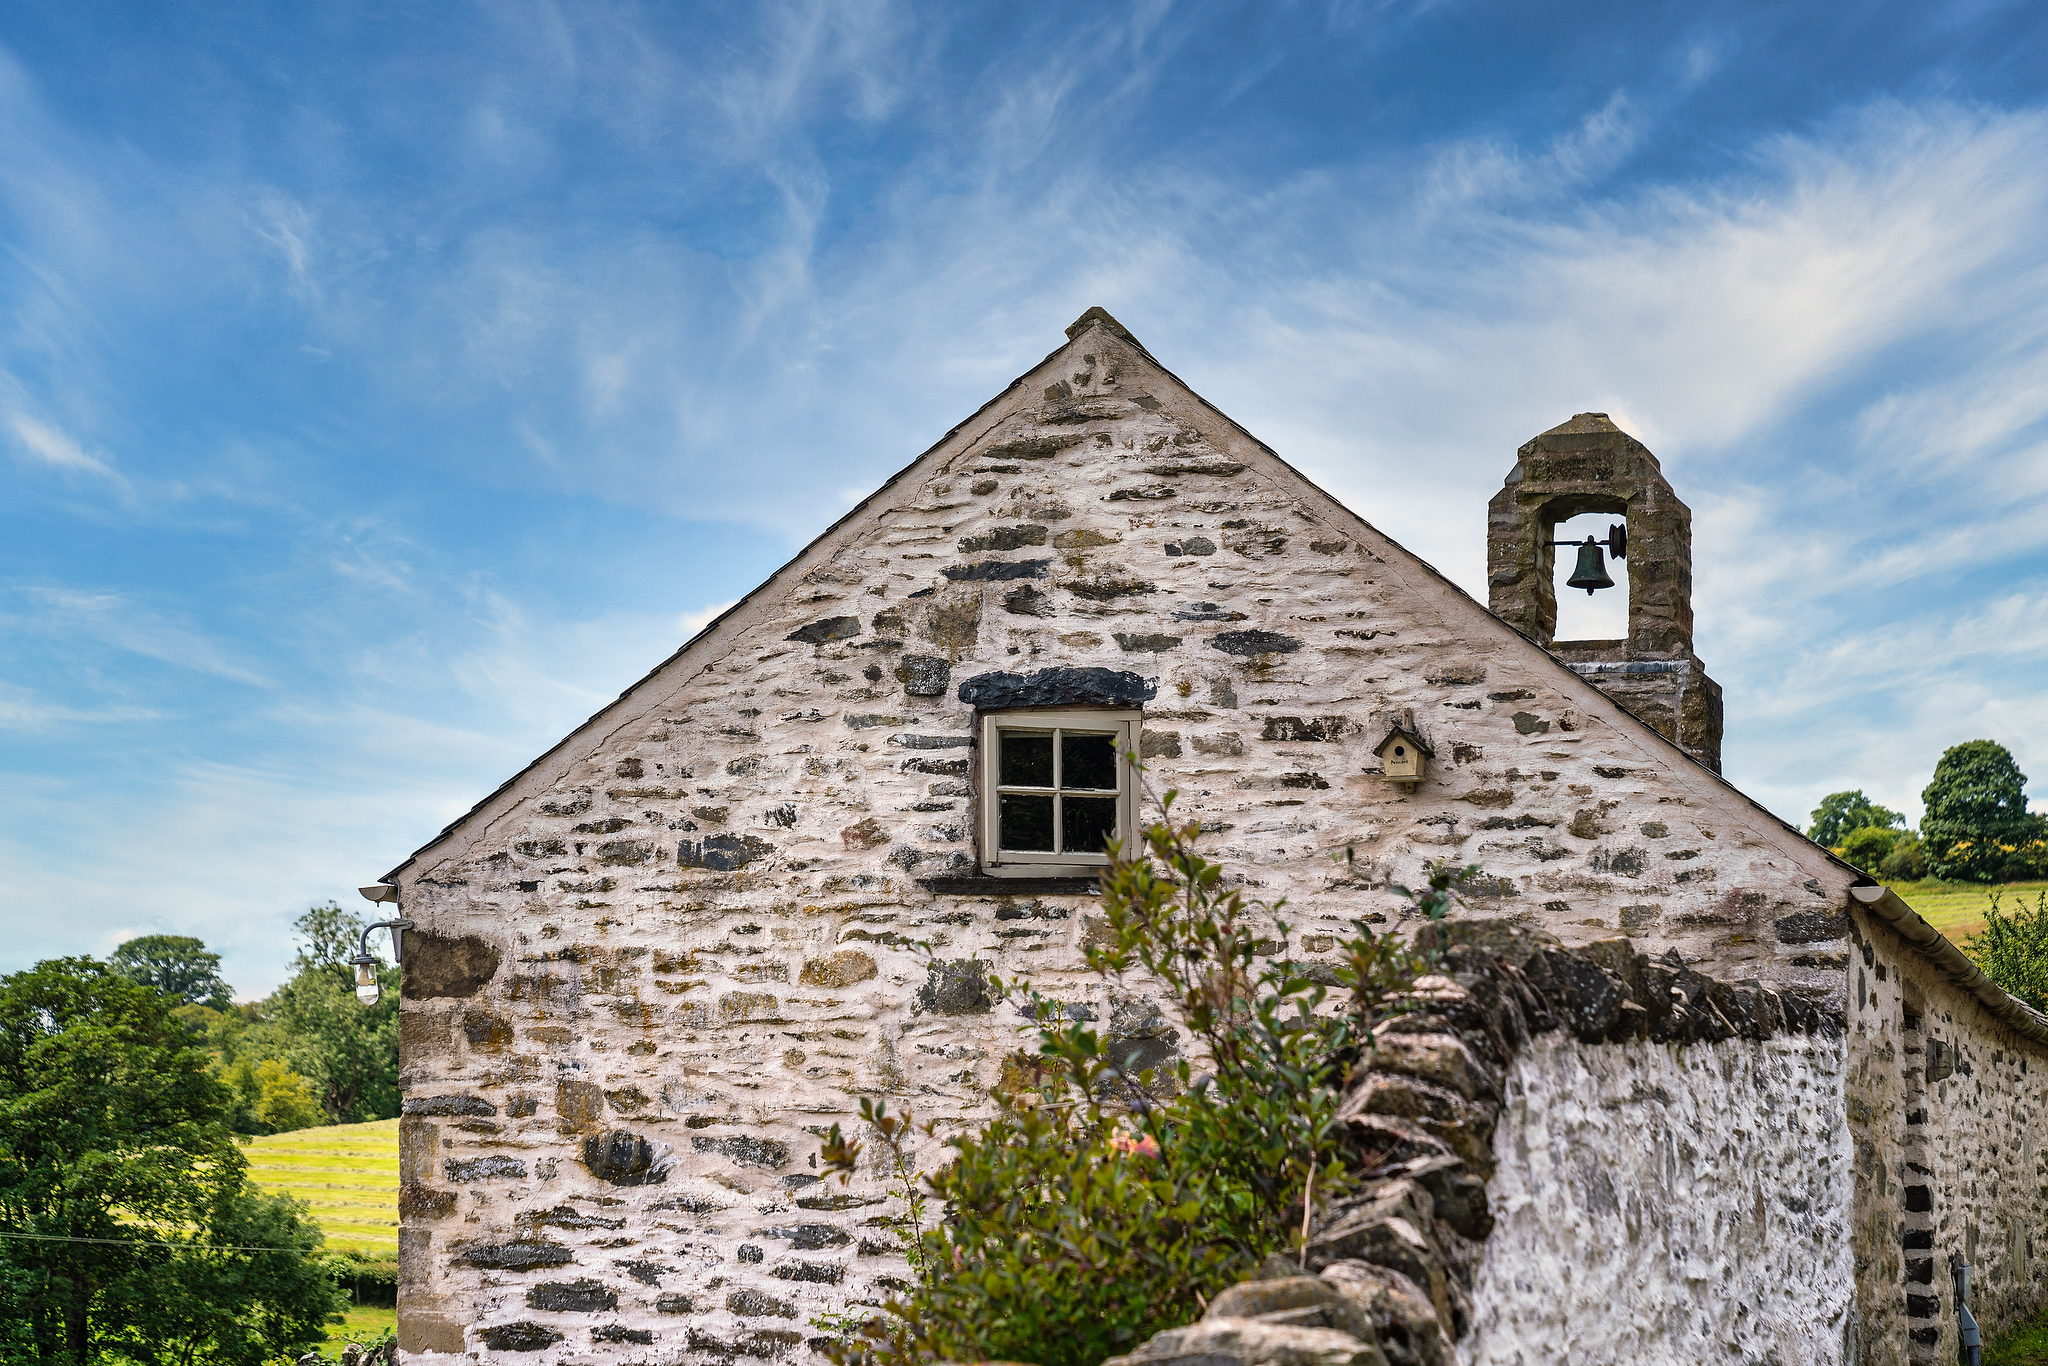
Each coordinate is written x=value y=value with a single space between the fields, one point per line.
x=1832 y=338
x=117 y=620
x=23 y=710
x=52 y=447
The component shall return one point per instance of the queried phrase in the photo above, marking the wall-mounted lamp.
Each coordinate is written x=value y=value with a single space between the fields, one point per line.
x=1591 y=573
x=368 y=989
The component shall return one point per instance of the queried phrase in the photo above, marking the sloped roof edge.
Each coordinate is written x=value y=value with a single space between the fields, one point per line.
x=712 y=626
x=1098 y=316
x=1937 y=948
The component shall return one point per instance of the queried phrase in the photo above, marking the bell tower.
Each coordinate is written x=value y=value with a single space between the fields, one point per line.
x=1589 y=465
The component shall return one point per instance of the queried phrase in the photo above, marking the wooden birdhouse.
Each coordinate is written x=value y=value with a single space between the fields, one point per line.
x=1404 y=756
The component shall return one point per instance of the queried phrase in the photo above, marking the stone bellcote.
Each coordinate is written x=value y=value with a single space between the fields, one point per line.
x=1589 y=465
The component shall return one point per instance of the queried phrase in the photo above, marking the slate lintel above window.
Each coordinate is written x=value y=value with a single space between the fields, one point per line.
x=1057 y=688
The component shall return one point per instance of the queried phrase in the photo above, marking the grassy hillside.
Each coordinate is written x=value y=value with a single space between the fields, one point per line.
x=1957 y=908
x=348 y=1173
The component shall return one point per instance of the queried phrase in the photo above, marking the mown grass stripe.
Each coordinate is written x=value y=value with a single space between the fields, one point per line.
x=348 y=1176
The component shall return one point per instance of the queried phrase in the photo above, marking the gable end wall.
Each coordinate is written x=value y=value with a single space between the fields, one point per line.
x=703 y=911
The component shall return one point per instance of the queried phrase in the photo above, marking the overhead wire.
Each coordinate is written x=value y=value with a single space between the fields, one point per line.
x=151 y=1242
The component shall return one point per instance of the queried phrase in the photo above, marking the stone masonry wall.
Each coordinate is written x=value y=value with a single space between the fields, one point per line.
x=653 y=968
x=1948 y=1108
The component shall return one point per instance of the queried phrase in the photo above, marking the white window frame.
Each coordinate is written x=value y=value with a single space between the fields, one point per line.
x=999 y=862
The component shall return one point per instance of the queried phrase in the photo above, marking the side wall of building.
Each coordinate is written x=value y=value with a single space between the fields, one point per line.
x=1948 y=1109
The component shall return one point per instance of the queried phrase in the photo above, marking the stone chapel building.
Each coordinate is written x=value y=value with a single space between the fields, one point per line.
x=652 y=969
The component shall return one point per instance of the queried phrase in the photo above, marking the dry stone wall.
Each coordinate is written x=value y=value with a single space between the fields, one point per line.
x=653 y=969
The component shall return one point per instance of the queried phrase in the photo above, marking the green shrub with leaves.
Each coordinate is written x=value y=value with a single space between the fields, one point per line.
x=1107 y=1199
x=1907 y=861
x=2013 y=949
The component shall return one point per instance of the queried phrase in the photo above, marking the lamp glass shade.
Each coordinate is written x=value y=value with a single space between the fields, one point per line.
x=368 y=988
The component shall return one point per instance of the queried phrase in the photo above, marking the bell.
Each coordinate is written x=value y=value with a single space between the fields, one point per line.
x=1592 y=570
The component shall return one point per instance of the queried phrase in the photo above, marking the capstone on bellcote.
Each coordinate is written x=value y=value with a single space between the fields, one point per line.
x=1590 y=465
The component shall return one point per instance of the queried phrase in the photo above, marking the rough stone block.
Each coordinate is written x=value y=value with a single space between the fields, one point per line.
x=521 y=1336
x=445 y=966
x=1442 y=1059
x=582 y=1295
x=1249 y=1342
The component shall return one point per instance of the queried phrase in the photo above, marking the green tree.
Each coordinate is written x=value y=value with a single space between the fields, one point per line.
x=328 y=937
x=111 y=1129
x=270 y=1098
x=2013 y=949
x=314 y=1026
x=1840 y=813
x=255 y=1291
x=1976 y=827
x=348 y=1051
x=1869 y=847
x=177 y=965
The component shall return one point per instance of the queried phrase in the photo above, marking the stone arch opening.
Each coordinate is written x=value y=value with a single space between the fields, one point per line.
x=1600 y=618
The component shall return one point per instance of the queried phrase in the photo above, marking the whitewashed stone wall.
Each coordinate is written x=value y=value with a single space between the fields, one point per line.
x=697 y=921
x=1670 y=1204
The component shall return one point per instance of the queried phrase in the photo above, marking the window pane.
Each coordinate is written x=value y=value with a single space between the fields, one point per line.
x=1026 y=821
x=1088 y=761
x=1027 y=762
x=1086 y=824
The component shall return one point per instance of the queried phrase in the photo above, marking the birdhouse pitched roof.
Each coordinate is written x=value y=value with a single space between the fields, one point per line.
x=1402 y=730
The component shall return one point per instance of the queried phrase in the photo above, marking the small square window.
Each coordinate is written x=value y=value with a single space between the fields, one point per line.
x=1056 y=788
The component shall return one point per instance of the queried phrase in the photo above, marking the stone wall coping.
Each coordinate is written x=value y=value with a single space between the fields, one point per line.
x=1936 y=947
x=1637 y=666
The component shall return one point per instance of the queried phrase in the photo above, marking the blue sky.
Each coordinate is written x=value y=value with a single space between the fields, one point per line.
x=385 y=387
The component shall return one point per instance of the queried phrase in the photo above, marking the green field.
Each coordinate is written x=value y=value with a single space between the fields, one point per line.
x=348 y=1173
x=1957 y=908
x=368 y=1324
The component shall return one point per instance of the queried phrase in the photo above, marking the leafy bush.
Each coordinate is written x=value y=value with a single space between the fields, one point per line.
x=2013 y=949
x=1842 y=813
x=1976 y=828
x=1108 y=1198
x=1869 y=847
x=1907 y=861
